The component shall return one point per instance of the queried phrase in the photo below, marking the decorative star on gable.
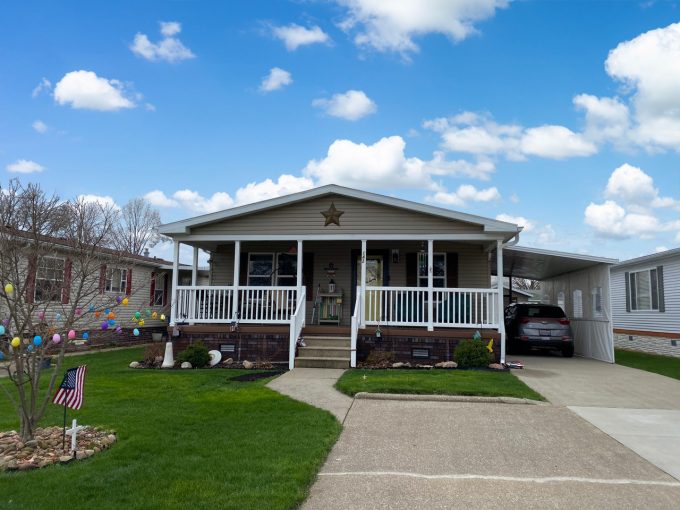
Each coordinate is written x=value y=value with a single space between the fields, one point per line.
x=332 y=215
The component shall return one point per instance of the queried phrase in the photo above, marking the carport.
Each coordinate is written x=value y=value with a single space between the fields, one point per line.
x=577 y=283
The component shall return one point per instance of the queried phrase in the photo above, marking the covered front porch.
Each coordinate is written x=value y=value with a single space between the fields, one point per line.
x=403 y=288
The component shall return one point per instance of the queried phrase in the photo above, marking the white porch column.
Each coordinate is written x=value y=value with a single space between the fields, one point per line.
x=194 y=267
x=363 y=283
x=237 y=273
x=175 y=279
x=499 y=288
x=430 y=285
x=299 y=265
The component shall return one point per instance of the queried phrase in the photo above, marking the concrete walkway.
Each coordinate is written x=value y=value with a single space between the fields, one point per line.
x=315 y=386
x=639 y=409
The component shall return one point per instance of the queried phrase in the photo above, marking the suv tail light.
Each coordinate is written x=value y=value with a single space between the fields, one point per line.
x=525 y=320
x=566 y=322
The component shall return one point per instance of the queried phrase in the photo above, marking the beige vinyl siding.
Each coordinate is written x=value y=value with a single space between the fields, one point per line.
x=473 y=266
x=359 y=217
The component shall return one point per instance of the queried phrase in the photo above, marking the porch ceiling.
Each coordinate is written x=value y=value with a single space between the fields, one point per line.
x=537 y=264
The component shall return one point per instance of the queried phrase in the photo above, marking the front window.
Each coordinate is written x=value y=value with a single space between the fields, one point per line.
x=644 y=290
x=116 y=280
x=597 y=301
x=286 y=269
x=438 y=270
x=159 y=290
x=49 y=279
x=260 y=269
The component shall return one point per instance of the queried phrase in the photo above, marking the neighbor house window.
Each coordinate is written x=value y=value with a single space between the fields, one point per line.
x=286 y=269
x=438 y=272
x=159 y=289
x=260 y=269
x=116 y=280
x=644 y=290
x=597 y=301
x=49 y=278
x=577 y=304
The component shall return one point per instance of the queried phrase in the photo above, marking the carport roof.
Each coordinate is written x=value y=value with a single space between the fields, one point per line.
x=538 y=264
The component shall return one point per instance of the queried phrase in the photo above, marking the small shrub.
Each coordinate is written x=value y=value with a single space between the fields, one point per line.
x=379 y=358
x=472 y=354
x=196 y=354
x=152 y=352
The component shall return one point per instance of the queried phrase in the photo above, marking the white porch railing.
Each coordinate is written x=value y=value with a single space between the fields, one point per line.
x=219 y=304
x=297 y=322
x=452 y=307
x=354 y=328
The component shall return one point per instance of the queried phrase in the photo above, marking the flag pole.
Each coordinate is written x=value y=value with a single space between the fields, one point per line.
x=63 y=436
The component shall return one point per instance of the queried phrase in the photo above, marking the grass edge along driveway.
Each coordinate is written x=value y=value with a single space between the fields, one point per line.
x=186 y=439
x=435 y=382
x=663 y=365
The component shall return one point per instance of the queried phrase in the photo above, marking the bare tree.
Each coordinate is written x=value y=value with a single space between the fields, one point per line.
x=525 y=284
x=138 y=228
x=50 y=269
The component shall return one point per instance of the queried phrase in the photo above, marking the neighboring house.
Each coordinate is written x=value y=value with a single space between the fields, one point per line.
x=517 y=295
x=646 y=303
x=376 y=272
x=144 y=281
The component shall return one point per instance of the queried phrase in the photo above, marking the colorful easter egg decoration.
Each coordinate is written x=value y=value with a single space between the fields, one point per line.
x=86 y=336
x=37 y=339
x=154 y=315
x=2 y=330
x=162 y=316
x=56 y=338
x=141 y=322
x=135 y=332
x=41 y=315
x=79 y=312
x=119 y=299
x=71 y=335
x=137 y=315
x=16 y=342
x=111 y=315
x=125 y=301
x=9 y=288
x=105 y=326
x=97 y=314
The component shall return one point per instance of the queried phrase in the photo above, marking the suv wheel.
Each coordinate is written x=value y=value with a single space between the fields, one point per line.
x=568 y=351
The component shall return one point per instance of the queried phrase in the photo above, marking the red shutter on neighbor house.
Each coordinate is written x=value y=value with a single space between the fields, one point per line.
x=30 y=278
x=128 y=282
x=102 y=278
x=152 y=289
x=66 y=284
x=165 y=289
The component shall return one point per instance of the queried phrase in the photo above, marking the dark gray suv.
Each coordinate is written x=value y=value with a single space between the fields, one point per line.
x=529 y=325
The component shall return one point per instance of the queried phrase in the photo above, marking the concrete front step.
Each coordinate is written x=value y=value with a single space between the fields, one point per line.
x=317 y=351
x=327 y=341
x=317 y=362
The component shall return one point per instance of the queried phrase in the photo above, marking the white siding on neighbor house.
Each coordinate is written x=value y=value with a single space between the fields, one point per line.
x=359 y=217
x=662 y=322
x=473 y=265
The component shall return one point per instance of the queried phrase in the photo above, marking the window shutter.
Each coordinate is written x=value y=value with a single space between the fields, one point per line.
x=662 y=301
x=633 y=292
x=243 y=269
x=411 y=269
x=165 y=289
x=627 y=279
x=152 y=288
x=102 y=278
x=66 y=283
x=128 y=282
x=452 y=270
x=308 y=275
x=30 y=278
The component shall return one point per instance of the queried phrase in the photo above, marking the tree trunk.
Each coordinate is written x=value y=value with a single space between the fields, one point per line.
x=27 y=431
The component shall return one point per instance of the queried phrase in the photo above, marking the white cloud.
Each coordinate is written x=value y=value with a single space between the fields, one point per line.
x=160 y=199
x=24 y=166
x=191 y=200
x=391 y=26
x=517 y=220
x=480 y=135
x=170 y=48
x=295 y=36
x=464 y=194
x=612 y=220
x=103 y=200
x=39 y=126
x=285 y=185
x=352 y=105
x=44 y=84
x=649 y=67
x=607 y=119
x=660 y=249
x=555 y=142
x=86 y=90
x=636 y=188
x=276 y=79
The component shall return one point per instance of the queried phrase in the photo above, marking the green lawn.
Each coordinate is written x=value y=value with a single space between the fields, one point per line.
x=187 y=439
x=664 y=365
x=435 y=382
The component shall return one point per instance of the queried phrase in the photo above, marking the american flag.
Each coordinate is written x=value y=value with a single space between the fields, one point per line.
x=70 y=393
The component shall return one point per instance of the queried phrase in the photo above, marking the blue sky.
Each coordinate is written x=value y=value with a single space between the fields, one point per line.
x=563 y=116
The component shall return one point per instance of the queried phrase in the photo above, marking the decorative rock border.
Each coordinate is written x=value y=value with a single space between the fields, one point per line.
x=46 y=450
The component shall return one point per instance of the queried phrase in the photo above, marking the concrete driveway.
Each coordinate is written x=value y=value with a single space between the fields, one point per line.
x=637 y=408
x=436 y=455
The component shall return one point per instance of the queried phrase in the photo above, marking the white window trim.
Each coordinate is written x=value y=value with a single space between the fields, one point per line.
x=577 y=292
x=292 y=277
x=37 y=272
x=443 y=277
x=123 y=280
x=250 y=254
x=159 y=278
x=274 y=277
x=630 y=290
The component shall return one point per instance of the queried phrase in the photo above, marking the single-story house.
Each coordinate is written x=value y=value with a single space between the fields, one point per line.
x=349 y=271
x=646 y=303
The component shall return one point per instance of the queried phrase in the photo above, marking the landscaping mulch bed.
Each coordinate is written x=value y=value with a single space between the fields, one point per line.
x=255 y=376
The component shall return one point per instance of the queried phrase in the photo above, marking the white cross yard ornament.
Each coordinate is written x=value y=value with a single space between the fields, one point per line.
x=73 y=431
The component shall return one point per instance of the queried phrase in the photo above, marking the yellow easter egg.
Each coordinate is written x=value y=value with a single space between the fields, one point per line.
x=16 y=342
x=9 y=288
